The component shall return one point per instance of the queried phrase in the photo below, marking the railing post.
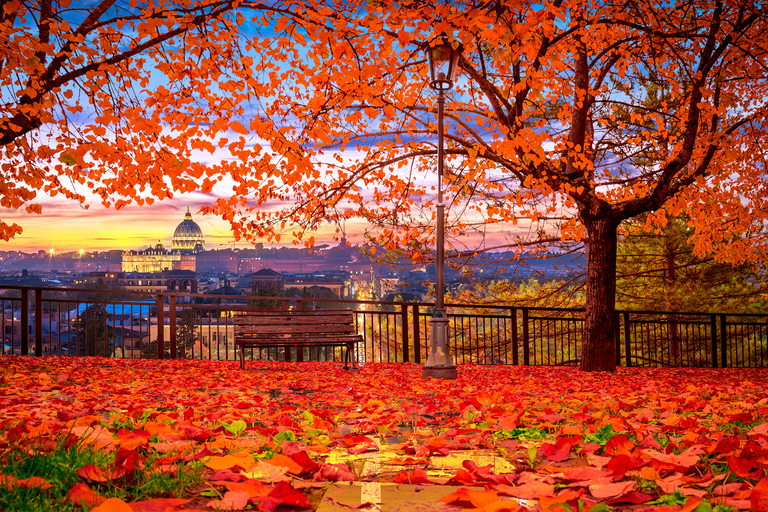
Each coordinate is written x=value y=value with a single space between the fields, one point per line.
x=172 y=324
x=723 y=343
x=513 y=315
x=617 y=337
x=404 y=324
x=416 y=335
x=24 y=322
x=627 y=344
x=160 y=327
x=713 y=339
x=39 y=323
x=526 y=339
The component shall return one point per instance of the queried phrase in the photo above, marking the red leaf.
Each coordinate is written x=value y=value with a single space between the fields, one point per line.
x=554 y=454
x=96 y=474
x=131 y=439
x=288 y=495
x=633 y=497
x=727 y=445
x=741 y=467
x=226 y=474
x=302 y=459
x=417 y=476
x=353 y=440
x=84 y=496
x=759 y=496
x=195 y=433
x=620 y=464
x=618 y=445
x=334 y=473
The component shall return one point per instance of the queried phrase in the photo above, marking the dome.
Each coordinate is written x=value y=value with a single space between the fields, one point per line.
x=159 y=246
x=188 y=235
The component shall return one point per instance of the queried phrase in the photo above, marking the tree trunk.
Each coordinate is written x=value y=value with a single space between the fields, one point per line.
x=599 y=347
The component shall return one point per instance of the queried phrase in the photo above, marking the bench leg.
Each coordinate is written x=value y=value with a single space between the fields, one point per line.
x=242 y=357
x=348 y=358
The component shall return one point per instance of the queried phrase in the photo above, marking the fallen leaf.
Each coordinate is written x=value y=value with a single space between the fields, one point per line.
x=232 y=500
x=112 y=505
x=96 y=474
x=603 y=491
x=417 y=476
x=266 y=472
x=286 y=462
x=759 y=497
x=243 y=460
x=84 y=496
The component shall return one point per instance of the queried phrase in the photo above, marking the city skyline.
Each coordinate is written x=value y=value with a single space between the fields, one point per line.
x=65 y=226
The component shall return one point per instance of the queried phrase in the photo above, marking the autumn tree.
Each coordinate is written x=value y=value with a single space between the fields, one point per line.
x=326 y=111
x=550 y=117
x=111 y=98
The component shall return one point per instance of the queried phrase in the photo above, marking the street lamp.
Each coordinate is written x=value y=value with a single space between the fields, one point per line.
x=443 y=61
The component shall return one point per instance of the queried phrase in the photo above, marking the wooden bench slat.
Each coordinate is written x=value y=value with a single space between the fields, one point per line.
x=297 y=340
x=283 y=319
x=296 y=329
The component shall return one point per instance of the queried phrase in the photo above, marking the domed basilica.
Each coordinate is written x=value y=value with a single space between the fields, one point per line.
x=187 y=241
x=188 y=236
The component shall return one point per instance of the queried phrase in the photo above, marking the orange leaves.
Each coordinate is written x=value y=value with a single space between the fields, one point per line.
x=244 y=460
x=485 y=501
x=10 y=482
x=676 y=439
x=82 y=495
x=96 y=474
x=286 y=462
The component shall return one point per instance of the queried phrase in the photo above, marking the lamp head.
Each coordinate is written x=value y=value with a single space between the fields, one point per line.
x=443 y=62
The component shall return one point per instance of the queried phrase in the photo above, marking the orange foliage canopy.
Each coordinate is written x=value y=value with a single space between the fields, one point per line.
x=595 y=112
x=114 y=97
x=609 y=110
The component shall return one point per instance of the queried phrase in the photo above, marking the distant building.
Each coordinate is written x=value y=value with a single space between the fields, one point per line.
x=186 y=243
x=216 y=262
x=265 y=280
x=184 y=281
x=188 y=236
x=302 y=282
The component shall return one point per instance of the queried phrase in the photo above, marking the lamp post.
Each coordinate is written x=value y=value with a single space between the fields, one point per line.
x=443 y=61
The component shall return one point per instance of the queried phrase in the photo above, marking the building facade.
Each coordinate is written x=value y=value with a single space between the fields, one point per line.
x=187 y=242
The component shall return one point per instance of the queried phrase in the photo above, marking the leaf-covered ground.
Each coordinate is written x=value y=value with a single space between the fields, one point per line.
x=169 y=435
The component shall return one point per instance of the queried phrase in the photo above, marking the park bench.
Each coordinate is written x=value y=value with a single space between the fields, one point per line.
x=280 y=328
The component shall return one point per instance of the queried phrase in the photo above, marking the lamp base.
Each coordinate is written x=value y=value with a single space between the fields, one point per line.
x=439 y=372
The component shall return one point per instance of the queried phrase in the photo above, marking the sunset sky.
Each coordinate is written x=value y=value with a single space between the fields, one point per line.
x=65 y=226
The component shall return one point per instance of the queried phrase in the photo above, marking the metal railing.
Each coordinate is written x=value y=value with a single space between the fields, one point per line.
x=61 y=322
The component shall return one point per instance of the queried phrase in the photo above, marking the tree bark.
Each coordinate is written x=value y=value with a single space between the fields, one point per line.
x=599 y=348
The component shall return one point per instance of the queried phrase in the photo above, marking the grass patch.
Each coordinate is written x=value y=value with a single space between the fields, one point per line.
x=57 y=464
